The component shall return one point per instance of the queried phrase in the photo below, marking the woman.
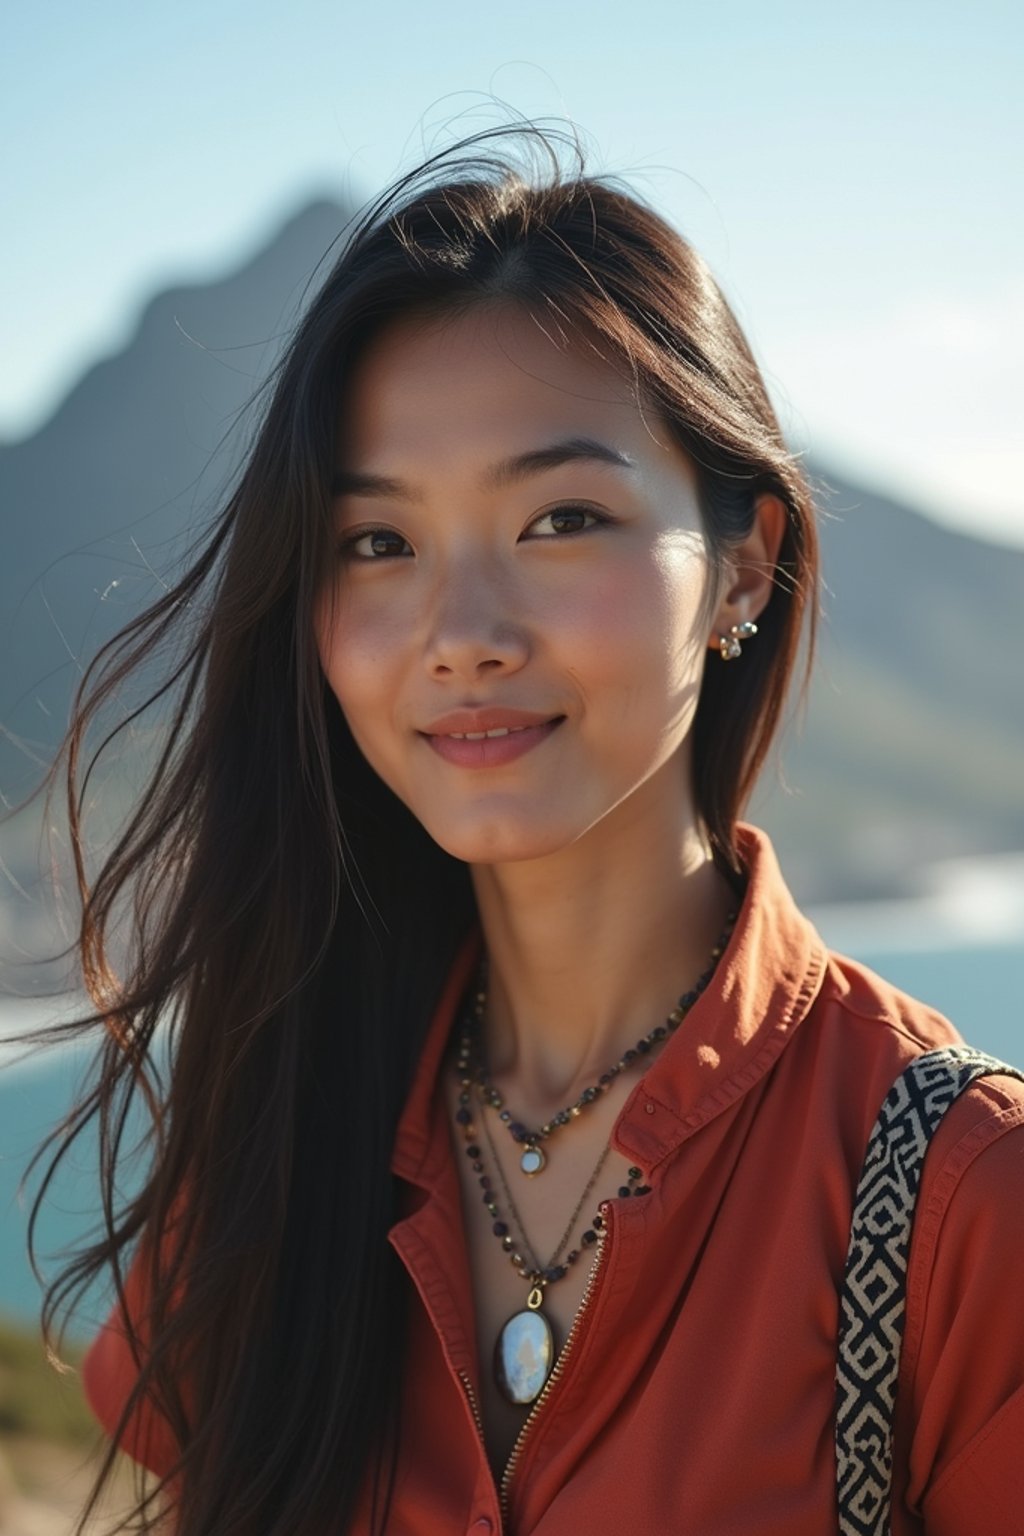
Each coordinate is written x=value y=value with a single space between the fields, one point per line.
x=457 y=1219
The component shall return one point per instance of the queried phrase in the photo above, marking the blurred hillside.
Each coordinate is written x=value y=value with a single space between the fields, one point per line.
x=49 y=1444
x=913 y=745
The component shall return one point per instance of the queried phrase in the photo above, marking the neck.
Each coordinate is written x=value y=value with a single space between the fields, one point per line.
x=589 y=950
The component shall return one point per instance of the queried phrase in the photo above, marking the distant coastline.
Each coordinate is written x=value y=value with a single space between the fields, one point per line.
x=964 y=902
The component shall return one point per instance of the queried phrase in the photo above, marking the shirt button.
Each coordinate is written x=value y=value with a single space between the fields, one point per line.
x=649 y=1108
x=481 y=1527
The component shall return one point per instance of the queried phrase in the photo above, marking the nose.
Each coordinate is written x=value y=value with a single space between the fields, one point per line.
x=473 y=627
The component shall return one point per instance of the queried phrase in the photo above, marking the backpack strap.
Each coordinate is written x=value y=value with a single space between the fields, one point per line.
x=873 y=1296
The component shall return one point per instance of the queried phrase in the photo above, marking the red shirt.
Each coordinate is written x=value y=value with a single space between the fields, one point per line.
x=697 y=1391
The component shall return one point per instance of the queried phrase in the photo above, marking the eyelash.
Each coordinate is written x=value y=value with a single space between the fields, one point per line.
x=347 y=545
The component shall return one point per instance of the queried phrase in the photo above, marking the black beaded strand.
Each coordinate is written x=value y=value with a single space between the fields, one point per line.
x=472 y=1071
x=526 y=1264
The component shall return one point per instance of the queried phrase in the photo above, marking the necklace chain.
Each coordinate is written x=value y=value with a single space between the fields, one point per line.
x=544 y=1270
x=524 y=1257
x=472 y=1067
x=525 y=1350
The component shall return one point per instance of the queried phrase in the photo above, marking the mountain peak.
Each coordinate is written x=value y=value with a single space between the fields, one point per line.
x=915 y=742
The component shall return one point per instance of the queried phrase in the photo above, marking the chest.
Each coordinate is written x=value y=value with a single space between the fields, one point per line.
x=707 y=1321
x=499 y=1295
x=552 y=1219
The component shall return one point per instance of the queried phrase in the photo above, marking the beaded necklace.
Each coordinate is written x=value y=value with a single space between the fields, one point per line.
x=524 y=1352
x=524 y=1259
x=472 y=1068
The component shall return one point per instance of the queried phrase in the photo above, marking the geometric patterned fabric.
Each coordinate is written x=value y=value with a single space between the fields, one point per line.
x=872 y=1301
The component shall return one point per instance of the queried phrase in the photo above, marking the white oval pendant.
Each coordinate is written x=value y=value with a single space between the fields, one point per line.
x=532 y=1161
x=523 y=1356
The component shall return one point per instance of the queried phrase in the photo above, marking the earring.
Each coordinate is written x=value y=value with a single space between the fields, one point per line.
x=729 y=646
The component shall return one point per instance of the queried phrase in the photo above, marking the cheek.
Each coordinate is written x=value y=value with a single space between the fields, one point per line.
x=356 y=671
x=639 y=618
x=353 y=661
x=356 y=643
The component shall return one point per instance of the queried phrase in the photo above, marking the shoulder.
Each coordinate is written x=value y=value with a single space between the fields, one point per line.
x=962 y=1368
x=883 y=1029
x=972 y=1188
x=872 y=1031
x=114 y=1372
x=871 y=1008
x=960 y=1401
x=862 y=1033
x=110 y=1376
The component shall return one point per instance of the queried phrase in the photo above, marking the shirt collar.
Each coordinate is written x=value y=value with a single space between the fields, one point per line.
x=762 y=989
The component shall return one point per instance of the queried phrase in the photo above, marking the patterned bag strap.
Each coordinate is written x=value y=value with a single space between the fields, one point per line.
x=872 y=1301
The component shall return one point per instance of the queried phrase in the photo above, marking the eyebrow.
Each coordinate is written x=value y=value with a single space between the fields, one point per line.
x=520 y=466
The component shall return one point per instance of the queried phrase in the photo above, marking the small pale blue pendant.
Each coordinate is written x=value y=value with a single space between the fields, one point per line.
x=531 y=1161
x=524 y=1355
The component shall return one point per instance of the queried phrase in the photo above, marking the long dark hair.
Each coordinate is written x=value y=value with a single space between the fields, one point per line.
x=291 y=923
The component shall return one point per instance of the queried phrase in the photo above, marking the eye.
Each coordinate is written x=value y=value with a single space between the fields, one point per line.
x=568 y=519
x=373 y=544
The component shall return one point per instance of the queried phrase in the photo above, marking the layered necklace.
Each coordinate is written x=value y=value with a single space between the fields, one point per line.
x=524 y=1352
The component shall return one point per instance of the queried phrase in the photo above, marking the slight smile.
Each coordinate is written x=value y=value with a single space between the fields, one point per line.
x=487 y=741
x=500 y=730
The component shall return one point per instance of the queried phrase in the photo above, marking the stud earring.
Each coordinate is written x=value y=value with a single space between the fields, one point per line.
x=730 y=646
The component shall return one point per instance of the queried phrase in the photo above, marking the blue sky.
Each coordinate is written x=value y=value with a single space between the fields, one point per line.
x=853 y=174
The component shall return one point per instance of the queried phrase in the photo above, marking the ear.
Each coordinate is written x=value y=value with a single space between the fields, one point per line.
x=750 y=568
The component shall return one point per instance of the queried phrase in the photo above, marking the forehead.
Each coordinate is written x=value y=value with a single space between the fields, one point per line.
x=484 y=383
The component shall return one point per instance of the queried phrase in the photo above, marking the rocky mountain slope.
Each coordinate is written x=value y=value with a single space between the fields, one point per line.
x=913 y=743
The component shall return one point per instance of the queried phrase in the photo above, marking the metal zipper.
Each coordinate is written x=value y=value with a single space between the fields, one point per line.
x=474 y=1405
x=560 y=1363
x=475 y=1409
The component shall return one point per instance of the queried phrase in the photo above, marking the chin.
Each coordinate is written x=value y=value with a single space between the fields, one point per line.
x=500 y=840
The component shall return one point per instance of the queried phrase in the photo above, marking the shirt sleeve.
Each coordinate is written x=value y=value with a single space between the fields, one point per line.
x=960 y=1411
x=109 y=1373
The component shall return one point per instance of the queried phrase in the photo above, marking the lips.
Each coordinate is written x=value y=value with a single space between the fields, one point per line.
x=488 y=738
x=492 y=735
x=478 y=723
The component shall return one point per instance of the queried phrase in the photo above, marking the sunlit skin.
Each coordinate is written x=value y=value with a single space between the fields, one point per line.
x=473 y=572
x=578 y=589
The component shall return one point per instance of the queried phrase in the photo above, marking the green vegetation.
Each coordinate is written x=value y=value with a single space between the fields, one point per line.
x=35 y=1398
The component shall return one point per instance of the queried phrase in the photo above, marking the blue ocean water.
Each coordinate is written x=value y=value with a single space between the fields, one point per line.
x=34 y=1096
x=980 y=987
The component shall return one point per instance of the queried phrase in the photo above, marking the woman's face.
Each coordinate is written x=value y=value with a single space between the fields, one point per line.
x=518 y=549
